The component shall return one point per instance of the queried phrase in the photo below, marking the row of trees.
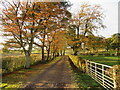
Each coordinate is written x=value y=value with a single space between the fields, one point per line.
x=35 y=23
x=95 y=43
x=50 y=26
x=113 y=43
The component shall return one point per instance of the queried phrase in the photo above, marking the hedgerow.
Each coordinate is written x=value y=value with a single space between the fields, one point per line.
x=12 y=63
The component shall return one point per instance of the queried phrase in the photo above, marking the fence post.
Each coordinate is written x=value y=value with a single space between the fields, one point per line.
x=87 y=66
x=91 y=69
x=103 y=74
x=95 y=71
x=114 y=78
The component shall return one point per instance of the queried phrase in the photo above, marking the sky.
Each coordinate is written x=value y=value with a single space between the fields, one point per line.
x=110 y=10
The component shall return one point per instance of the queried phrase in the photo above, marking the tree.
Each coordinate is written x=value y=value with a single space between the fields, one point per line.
x=88 y=20
x=5 y=50
x=54 y=20
x=95 y=43
x=24 y=22
x=107 y=43
x=19 y=21
x=59 y=43
x=116 y=42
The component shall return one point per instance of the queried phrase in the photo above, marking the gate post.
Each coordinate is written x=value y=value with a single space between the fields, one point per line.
x=86 y=66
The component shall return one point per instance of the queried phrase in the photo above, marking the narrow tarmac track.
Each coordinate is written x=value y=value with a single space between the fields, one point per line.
x=59 y=75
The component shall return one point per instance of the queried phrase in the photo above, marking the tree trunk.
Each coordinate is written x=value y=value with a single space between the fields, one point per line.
x=75 y=53
x=107 y=50
x=61 y=52
x=43 y=56
x=53 y=54
x=48 y=54
x=57 y=53
x=64 y=52
x=43 y=44
x=28 y=59
x=117 y=51
x=78 y=32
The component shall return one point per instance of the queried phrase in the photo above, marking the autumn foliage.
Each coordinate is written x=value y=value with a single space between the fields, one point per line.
x=26 y=22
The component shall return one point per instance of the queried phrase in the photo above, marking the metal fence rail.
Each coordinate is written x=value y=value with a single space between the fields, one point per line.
x=102 y=74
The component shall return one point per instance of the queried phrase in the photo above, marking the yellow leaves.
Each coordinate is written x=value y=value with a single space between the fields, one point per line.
x=42 y=16
x=85 y=5
x=37 y=14
x=26 y=27
x=30 y=27
x=11 y=9
x=4 y=10
x=93 y=17
x=82 y=14
x=31 y=12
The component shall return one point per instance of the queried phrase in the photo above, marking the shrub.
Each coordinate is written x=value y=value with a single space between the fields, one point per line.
x=12 y=63
x=78 y=62
x=116 y=77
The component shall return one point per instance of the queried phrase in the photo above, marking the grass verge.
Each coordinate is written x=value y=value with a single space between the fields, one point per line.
x=83 y=80
x=19 y=78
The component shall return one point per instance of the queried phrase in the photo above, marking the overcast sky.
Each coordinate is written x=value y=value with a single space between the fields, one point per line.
x=110 y=9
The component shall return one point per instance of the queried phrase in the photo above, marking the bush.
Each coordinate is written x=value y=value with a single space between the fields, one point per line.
x=116 y=77
x=12 y=63
x=78 y=62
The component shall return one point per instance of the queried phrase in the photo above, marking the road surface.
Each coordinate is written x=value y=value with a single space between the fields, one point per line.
x=59 y=75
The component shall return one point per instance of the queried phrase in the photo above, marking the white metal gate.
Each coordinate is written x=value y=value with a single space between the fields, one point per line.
x=101 y=74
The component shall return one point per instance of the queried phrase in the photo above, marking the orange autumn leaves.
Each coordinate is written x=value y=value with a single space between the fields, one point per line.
x=41 y=21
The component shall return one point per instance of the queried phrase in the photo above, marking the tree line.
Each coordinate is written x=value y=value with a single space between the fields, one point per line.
x=26 y=22
x=50 y=26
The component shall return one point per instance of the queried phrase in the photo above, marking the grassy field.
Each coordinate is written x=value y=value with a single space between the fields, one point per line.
x=110 y=52
x=108 y=60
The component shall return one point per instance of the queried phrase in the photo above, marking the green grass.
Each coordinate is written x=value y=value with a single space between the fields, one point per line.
x=82 y=79
x=85 y=81
x=108 y=60
x=109 y=52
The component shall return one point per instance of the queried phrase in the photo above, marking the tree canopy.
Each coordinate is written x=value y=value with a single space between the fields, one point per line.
x=25 y=22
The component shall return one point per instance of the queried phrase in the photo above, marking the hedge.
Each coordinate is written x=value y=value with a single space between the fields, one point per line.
x=116 y=76
x=12 y=63
x=78 y=62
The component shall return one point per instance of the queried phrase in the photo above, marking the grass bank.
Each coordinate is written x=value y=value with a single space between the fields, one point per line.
x=19 y=78
x=82 y=79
